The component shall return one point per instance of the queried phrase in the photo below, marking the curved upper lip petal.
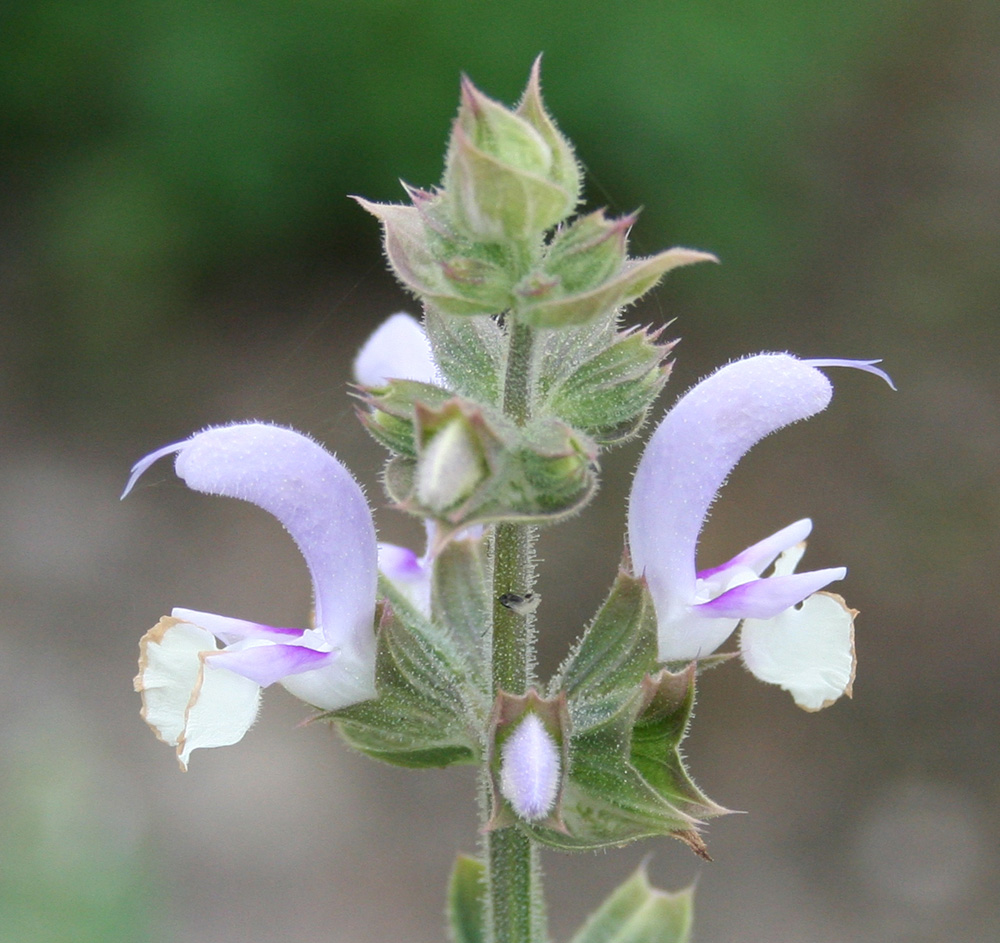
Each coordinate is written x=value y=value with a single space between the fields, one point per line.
x=691 y=454
x=684 y=465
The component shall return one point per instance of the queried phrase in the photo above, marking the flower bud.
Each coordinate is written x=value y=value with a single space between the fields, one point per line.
x=528 y=759
x=452 y=462
x=509 y=176
x=530 y=769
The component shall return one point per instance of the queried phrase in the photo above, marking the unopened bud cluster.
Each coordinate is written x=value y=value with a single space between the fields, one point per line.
x=496 y=239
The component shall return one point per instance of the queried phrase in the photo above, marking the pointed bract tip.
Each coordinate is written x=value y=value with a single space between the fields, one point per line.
x=367 y=205
x=417 y=195
x=534 y=87
x=691 y=256
x=471 y=96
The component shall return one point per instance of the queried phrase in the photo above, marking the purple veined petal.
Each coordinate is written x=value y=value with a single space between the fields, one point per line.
x=530 y=769
x=759 y=556
x=268 y=662
x=867 y=365
x=397 y=350
x=320 y=505
x=690 y=455
x=229 y=630
x=766 y=598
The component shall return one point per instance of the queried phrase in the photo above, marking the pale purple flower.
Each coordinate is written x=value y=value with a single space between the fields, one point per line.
x=409 y=573
x=807 y=650
x=397 y=350
x=197 y=695
x=530 y=769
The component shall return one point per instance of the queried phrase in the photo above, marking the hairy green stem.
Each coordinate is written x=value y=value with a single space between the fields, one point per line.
x=515 y=904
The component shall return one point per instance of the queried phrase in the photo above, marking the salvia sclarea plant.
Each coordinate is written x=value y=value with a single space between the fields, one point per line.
x=495 y=410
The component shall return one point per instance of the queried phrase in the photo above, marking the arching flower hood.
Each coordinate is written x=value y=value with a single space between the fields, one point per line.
x=197 y=695
x=685 y=463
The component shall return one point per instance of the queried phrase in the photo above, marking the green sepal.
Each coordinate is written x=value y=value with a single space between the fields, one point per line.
x=467 y=901
x=389 y=410
x=587 y=252
x=608 y=664
x=637 y=912
x=625 y=778
x=609 y=394
x=424 y=713
x=559 y=308
x=537 y=474
x=469 y=353
x=564 y=168
x=456 y=275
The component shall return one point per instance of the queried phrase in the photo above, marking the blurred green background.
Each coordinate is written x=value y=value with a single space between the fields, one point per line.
x=177 y=248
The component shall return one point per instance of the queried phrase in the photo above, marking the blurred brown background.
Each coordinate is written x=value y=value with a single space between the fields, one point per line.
x=176 y=249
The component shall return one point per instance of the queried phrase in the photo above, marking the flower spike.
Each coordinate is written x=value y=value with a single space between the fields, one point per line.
x=190 y=696
x=685 y=463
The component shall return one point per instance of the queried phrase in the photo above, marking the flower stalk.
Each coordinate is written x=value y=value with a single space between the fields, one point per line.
x=515 y=903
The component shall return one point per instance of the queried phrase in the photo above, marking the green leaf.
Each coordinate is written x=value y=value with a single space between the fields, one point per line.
x=427 y=707
x=637 y=912
x=636 y=277
x=439 y=271
x=656 y=737
x=466 y=901
x=587 y=252
x=606 y=802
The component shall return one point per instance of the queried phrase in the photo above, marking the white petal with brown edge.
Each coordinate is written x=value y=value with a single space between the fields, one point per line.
x=189 y=705
x=807 y=651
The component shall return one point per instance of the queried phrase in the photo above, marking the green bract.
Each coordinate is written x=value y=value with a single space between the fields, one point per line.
x=425 y=712
x=636 y=912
